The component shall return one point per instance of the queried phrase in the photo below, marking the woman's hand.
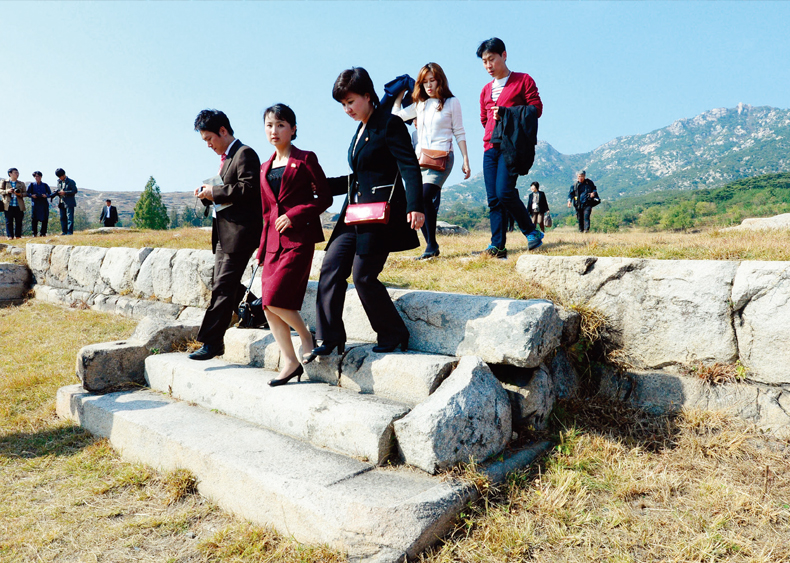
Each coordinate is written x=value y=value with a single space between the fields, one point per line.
x=465 y=168
x=283 y=222
x=415 y=219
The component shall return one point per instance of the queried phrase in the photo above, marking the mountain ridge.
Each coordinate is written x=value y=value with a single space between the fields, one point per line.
x=706 y=151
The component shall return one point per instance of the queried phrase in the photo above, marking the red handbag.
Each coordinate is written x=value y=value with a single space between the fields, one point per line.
x=433 y=159
x=369 y=213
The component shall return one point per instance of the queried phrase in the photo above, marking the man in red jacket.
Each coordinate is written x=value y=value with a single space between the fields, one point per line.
x=508 y=89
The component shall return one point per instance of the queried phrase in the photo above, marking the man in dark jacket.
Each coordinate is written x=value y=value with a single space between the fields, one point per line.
x=109 y=215
x=67 y=190
x=582 y=196
x=235 y=203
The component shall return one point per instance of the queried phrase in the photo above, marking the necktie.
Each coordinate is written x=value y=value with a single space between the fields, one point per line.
x=222 y=160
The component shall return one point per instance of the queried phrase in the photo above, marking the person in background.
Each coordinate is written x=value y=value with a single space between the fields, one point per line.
x=294 y=193
x=236 y=228
x=438 y=118
x=383 y=168
x=13 y=193
x=538 y=205
x=508 y=89
x=39 y=194
x=67 y=191
x=109 y=214
x=580 y=196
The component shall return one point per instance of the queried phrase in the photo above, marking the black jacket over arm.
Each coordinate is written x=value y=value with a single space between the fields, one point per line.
x=516 y=131
x=238 y=227
x=383 y=153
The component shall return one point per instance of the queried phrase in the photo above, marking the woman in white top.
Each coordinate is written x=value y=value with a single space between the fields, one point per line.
x=438 y=115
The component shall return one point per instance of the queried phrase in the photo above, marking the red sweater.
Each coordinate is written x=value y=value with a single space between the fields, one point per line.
x=520 y=90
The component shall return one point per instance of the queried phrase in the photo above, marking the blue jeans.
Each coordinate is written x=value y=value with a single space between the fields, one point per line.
x=67 y=221
x=503 y=198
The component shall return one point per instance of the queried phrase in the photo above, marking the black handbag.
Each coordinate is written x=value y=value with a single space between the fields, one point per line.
x=250 y=311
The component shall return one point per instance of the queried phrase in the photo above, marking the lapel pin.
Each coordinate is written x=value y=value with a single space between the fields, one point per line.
x=293 y=165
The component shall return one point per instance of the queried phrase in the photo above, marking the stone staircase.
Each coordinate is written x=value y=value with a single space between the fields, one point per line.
x=347 y=457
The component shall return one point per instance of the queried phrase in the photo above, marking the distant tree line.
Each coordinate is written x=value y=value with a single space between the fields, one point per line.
x=669 y=210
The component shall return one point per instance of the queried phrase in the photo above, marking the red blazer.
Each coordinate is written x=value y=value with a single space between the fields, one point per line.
x=304 y=195
x=519 y=90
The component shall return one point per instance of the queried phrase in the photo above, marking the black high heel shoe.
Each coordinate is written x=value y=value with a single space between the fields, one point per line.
x=297 y=373
x=324 y=350
x=307 y=358
x=387 y=348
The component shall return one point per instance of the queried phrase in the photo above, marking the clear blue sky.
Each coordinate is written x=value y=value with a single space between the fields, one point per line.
x=109 y=90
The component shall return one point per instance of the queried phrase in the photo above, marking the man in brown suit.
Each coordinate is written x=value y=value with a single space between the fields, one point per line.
x=236 y=229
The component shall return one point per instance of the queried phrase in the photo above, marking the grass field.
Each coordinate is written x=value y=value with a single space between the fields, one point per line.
x=619 y=485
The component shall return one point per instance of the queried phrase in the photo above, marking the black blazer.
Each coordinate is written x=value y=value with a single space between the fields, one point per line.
x=543 y=204
x=238 y=228
x=108 y=219
x=383 y=153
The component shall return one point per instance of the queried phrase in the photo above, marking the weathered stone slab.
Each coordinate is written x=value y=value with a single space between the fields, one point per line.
x=58 y=275
x=468 y=416
x=448 y=229
x=323 y=415
x=120 y=268
x=84 y=268
x=14 y=280
x=155 y=278
x=112 y=365
x=251 y=347
x=661 y=312
x=38 y=256
x=500 y=331
x=660 y=392
x=375 y=515
x=564 y=376
x=192 y=277
x=761 y=299
x=409 y=377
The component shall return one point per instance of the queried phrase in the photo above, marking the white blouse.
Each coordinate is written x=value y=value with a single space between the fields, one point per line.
x=435 y=129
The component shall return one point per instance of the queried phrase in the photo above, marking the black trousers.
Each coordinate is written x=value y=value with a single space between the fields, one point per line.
x=13 y=222
x=583 y=215
x=34 y=225
x=340 y=261
x=226 y=293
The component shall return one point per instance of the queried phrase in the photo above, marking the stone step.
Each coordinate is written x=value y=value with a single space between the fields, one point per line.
x=324 y=415
x=408 y=378
x=374 y=514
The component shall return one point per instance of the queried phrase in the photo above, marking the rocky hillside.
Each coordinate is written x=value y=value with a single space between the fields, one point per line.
x=91 y=202
x=706 y=151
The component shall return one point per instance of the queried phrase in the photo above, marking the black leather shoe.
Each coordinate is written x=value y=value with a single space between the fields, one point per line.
x=208 y=351
x=428 y=255
x=324 y=350
x=387 y=348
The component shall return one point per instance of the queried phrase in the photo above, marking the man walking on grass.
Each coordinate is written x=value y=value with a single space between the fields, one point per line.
x=507 y=90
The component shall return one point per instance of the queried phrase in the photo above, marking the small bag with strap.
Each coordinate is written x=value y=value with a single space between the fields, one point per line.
x=369 y=213
x=434 y=159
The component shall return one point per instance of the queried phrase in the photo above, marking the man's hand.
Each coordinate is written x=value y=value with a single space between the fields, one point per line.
x=569 y=204
x=282 y=222
x=415 y=219
x=204 y=192
x=495 y=109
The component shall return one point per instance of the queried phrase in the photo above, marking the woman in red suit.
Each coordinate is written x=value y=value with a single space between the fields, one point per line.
x=294 y=193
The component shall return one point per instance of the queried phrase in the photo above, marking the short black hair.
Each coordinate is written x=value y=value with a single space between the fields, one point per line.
x=37 y=173
x=108 y=201
x=212 y=120
x=283 y=113
x=12 y=170
x=493 y=45
x=60 y=172
x=535 y=184
x=354 y=80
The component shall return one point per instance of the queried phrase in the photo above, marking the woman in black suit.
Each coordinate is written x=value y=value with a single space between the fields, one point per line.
x=382 y=160
x=537 y=206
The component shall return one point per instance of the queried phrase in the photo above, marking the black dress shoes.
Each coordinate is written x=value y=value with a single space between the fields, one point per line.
x=387 y=348
x=208 y=351
x=325 y=349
